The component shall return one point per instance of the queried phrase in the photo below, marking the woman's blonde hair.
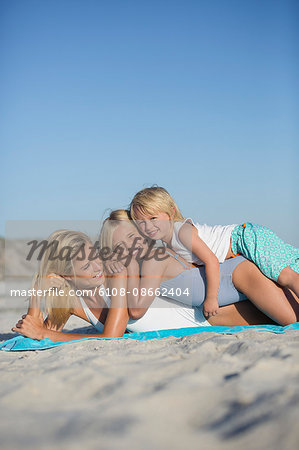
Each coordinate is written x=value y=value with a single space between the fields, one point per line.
x=153 y=200
x=115 y=218
x=62 y=248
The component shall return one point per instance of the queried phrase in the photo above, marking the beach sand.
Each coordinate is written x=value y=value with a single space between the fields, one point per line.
x=207 y=391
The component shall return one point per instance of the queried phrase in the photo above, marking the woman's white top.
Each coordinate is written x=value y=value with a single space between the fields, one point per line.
x=89 y=314
x=163 y=314
x=217 y=238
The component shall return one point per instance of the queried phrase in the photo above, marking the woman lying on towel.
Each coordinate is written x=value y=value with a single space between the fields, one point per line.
x=82 y=274
x=151 y=270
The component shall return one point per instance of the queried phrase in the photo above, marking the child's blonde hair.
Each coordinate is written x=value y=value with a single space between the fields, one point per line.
x=150 y=201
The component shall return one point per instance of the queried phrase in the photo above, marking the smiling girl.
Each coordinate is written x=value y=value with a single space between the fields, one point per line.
x=158 y=217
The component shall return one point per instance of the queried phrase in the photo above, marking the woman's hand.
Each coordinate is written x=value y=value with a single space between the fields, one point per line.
x=52 y=281
x=32 y=327
x=113 y=266
x=122 y=258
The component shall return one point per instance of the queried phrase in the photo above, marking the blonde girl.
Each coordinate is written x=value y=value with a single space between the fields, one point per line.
x=158 y=217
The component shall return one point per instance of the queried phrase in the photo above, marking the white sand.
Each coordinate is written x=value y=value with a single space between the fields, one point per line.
x=199 y=392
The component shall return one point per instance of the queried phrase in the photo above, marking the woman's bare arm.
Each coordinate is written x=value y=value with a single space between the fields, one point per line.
x=115 y=325
x=146 y=287
x=53 y=281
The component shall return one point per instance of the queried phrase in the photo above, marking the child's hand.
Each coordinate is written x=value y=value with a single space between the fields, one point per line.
x=210 y=307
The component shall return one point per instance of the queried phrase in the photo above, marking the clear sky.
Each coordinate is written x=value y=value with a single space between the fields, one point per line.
x=102 y=98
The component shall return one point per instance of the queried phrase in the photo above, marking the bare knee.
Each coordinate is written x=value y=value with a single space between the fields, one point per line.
x=287 y=277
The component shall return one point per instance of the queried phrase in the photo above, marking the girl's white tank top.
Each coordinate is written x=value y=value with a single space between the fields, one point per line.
x=217 y=238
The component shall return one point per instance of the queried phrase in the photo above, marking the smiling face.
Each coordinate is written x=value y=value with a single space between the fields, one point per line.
x=128 y=240
x=88 y=272
x=156 y=227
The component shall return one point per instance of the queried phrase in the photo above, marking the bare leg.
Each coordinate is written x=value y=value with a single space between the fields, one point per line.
x=242 y=313
x=265 y=294
x=290 y=279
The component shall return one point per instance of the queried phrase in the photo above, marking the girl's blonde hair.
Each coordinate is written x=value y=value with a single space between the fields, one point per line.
x=115 y=218
x=62 y=247
x=153 y=200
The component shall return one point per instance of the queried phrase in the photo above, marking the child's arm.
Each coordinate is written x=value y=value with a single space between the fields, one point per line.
x=189 y=237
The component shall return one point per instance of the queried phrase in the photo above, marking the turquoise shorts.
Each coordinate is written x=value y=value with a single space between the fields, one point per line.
x=263 y=247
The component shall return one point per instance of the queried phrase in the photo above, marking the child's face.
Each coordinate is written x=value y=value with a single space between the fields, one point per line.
x=156 y=227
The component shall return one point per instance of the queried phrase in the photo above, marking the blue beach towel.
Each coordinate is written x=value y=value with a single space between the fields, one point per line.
x=21 y=343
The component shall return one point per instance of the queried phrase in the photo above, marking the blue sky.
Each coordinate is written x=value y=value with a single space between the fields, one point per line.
x=102 y=98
